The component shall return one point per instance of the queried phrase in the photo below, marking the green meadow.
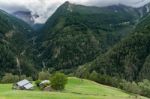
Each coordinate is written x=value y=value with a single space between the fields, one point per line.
x=75 y=89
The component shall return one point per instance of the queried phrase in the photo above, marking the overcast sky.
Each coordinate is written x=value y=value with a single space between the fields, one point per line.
x=45 y=8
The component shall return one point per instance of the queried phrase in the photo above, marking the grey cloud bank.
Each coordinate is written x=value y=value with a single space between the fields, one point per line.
x=45 y=8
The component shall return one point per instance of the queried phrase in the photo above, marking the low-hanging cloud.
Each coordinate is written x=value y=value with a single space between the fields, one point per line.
x=45 y=8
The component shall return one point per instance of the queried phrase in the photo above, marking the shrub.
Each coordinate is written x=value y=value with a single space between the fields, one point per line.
x=145 y=87
x=10 y=78
x=22 y=77
x=94 y=76
x=37 y=82
x=82 y=72
x=131 y=87
x=58 y=81
x=44 y=75
x=105 y=79
x=16 y=78
x=29 y=78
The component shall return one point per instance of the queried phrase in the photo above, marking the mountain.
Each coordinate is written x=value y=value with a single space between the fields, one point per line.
x=114 y=39
x=29 y=18
x=144 y=10
x=25 y=16
x=15 y=39
x=128 y=59
x=76 y=34
x=109 y=45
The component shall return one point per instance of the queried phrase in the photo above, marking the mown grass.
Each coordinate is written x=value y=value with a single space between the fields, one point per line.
x=75 y=89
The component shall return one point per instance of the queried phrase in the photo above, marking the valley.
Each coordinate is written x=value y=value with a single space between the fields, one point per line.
x=109 y=45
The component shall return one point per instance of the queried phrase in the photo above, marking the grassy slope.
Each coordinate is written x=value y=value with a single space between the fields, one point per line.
x=75 y=89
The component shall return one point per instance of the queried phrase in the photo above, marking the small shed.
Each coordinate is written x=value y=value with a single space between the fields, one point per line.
x=44 y=84
x=23 y=85
x=44 y=81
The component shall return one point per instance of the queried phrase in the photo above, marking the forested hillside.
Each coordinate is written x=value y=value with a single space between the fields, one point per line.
x=15 y=38
x=109 y=45
x=114 y=39
x=77 y=34
x=129 y=59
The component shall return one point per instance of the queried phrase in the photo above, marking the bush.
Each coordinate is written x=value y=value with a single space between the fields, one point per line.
x=16 y=78
x=29 y=78
x=44 y=75
x=37 y=83
x=145 y=87
x=22 y=77
x=141 y=88
x=58 y=81
x=10 y=78
x=82 y=72
x=94 y=76
x=131 y=87
x=105 y=79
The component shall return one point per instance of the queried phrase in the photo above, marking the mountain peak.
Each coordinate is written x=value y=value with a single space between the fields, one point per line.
x=67 y=6
x=67 y=2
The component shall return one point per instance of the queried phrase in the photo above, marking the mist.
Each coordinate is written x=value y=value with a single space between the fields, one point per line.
x=45 y=8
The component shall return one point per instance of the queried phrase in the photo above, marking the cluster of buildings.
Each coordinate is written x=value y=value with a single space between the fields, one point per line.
x=27 y=85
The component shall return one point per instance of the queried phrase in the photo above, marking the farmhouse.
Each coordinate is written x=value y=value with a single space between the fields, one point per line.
x=23 y=85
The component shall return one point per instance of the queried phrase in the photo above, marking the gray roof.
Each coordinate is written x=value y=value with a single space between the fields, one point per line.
x=45 y=81
x=28 y=86
x=23 y=82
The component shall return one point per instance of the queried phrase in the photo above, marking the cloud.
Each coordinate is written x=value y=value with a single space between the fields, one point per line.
x=45 y=8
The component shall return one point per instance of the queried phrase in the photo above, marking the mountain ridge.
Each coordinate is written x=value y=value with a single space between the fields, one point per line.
x=103 y=26
x=15 y=35
x=75 y=35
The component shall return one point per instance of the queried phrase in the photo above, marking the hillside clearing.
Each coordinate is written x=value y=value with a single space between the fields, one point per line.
x=75 y=89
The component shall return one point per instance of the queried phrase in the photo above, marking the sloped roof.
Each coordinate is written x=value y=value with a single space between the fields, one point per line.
x=45 y=81
x=23 y=82
x=28 y=86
